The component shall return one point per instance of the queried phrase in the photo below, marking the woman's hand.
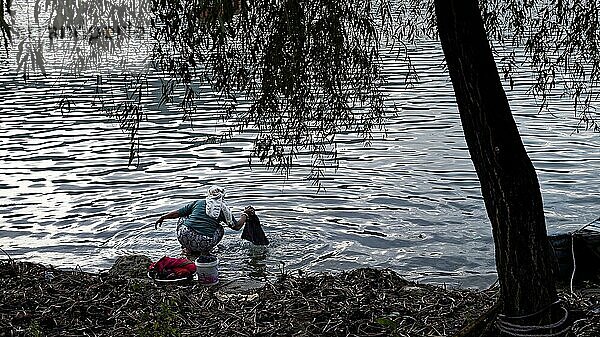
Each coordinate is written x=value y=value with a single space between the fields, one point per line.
x=172 y=215
x=249 y=210
x=159 y=222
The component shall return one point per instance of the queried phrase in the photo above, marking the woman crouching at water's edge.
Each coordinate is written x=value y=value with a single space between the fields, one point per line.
x=200 y=229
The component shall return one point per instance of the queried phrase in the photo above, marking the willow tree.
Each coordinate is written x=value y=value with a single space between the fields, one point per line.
x=509 y=184
x=310 y=70
x=5 y=22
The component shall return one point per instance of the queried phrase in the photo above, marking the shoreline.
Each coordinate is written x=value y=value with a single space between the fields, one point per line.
x=41 y=300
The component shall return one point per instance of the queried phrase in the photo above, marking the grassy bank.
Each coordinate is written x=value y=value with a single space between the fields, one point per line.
x=38 y=300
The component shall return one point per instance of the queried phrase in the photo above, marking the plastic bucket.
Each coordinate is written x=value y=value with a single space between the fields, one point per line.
x=207 y=270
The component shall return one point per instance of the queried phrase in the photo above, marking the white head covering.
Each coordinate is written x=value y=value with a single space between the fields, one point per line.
x=215 y=204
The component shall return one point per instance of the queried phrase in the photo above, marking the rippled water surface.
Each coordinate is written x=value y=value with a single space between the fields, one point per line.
x=409 y=201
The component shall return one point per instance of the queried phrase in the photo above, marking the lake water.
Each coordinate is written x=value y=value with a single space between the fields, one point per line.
x=409 y=201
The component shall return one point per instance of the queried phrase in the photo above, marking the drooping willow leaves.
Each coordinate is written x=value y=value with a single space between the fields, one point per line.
x=561 y=42
x=310 y=69
x=5 y=27
x=87 y=30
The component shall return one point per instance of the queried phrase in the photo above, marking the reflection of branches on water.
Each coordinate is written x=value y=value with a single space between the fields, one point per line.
x=127 y=112
x=64 y=105
x=86 y=32
x=82 y=31
x=93 y=19
x=120 y=98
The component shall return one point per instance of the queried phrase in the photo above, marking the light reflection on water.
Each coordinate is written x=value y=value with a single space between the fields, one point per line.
x=409 y=202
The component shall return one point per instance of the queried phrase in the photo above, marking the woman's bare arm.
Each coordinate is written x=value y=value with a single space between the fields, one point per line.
x=171 y=215
x=243 y=218
x=241 y=221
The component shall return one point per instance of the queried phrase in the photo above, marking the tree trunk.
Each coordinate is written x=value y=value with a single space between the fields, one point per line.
x=4 y=27
x=509 y=184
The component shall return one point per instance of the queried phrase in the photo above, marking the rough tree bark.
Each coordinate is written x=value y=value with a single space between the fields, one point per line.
x=509 y=184
x=4 y=27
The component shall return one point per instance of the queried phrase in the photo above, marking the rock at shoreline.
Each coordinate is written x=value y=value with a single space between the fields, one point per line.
x=131 y=266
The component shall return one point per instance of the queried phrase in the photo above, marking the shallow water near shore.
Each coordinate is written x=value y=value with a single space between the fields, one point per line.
x=409 y=201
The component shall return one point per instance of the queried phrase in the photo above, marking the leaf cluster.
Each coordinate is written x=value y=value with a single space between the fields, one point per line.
x=5 y=26
x=561 y=41
x=300 y=73
x=310 y=70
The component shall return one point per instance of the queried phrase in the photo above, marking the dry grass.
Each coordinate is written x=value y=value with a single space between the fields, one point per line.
x=41 y=301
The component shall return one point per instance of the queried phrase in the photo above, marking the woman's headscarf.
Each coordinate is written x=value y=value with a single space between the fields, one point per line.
x=215 y=204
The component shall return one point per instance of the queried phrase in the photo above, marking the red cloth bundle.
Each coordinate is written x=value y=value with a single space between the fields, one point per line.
x=170 y=268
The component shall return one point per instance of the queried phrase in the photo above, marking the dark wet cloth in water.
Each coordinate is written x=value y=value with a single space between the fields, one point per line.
x=253 y=232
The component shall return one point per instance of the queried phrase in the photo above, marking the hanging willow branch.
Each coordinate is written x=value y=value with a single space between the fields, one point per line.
x=561 y=40
x=5 y=28
x=310 y=69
